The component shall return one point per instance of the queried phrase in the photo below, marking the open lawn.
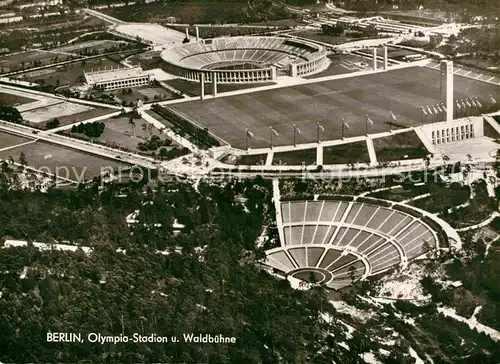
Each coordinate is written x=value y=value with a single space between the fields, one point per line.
x=64 y=162
x=119 y=133
x=400 y=193
x=61 y=109
x=145 y=94
x=403 y=91
x=346 y=153
x=99 y=45
x=13 y=100
x=14 y=61
x=399 y=146
x=193 y=88
x=295 y=157
x=69 y=74
x=8 y=140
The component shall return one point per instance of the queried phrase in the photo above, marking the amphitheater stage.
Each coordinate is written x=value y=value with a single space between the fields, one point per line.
x=401 y=91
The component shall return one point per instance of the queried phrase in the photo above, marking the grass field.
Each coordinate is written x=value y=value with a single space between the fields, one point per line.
x=8 y=140
x=13 y=61
x=346 y=153
x=12 y=100
x=296 y=157
x=62 y=109
x=62 y=161
x=401 y=91
x=399 y=146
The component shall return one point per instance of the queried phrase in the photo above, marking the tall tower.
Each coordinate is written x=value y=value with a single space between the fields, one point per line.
x=447 y=88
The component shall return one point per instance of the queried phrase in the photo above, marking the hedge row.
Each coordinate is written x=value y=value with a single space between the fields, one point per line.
x=374 y=201
x=442 y=236
x=336 y=198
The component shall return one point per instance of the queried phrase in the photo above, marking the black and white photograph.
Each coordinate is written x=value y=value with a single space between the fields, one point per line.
x=250 y=181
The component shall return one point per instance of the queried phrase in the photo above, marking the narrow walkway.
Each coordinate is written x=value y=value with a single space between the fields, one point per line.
x=160 y=126
x=416 y=198
x=427 y=143
x=277 y=206
x=481 y=224
x=371 y=151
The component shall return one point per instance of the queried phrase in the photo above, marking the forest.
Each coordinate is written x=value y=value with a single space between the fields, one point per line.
x=203 y=282
x=145 y=278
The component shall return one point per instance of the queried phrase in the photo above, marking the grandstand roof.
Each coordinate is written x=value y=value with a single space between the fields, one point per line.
x=113 y=75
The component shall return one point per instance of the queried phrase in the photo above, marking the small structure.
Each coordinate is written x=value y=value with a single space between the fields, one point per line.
x=115 y=79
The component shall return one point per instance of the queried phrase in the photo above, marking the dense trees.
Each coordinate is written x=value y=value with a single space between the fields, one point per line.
x=9 y=113
x=201 y=286
x=92 y=130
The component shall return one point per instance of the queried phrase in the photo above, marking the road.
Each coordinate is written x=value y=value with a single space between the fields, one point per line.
x=80 y=145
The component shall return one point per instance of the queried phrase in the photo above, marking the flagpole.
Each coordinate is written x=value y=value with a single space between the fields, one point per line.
x=294 y=132
x=390 y=121
x=246 y=138
x=366 y=124
x=343 y=121
x=317 y=132
x=271 y=133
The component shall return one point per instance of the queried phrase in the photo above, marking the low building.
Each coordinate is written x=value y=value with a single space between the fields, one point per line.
x=115 y=79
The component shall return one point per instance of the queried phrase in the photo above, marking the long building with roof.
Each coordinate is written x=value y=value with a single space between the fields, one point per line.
x=115 y=79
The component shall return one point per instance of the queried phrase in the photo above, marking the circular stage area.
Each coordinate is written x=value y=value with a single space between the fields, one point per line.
x=245 y=59
x=337 y=242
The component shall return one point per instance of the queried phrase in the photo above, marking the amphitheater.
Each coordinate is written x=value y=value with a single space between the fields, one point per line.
x=245 y=59
x=336 y=242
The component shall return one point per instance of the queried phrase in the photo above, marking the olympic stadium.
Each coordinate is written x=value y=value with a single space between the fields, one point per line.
x=245 y=59
x=337 y=242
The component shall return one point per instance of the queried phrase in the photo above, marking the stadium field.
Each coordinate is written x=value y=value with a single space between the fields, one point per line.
x=401 y=91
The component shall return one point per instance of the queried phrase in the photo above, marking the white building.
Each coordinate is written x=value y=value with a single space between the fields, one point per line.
x=115 y=79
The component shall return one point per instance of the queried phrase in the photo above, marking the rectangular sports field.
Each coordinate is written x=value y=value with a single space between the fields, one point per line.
x=401 y=91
